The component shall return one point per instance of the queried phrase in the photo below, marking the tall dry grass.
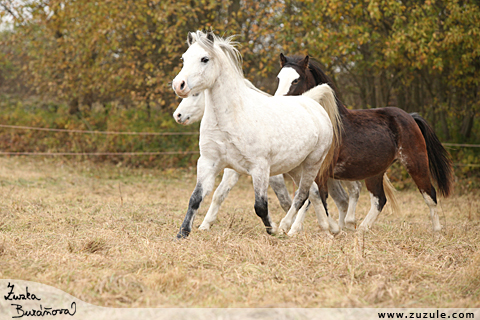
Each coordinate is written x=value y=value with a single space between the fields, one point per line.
x=105 y=234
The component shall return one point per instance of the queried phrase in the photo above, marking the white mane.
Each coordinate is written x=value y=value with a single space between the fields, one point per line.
x=220 y=47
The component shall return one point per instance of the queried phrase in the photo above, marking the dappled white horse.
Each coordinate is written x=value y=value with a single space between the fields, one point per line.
x=251 y=133
x=191 y=110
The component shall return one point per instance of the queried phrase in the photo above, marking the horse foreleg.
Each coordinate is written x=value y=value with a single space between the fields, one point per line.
x=327 y=224
x=207 y=170
x=278 y=185
x=304 y=178
x=354 y=188
x=340 y=197
x=377 y=200
x=297 y=225
x=229 y=179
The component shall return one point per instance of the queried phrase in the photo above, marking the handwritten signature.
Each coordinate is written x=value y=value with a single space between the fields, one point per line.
x=41 y=311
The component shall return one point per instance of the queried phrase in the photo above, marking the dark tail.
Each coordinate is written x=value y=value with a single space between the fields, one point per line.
x=439 y=160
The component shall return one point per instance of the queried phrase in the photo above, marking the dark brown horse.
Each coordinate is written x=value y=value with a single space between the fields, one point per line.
x=373 y=139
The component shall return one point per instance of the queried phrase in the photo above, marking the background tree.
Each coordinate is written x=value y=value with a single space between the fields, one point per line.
x=421 y=56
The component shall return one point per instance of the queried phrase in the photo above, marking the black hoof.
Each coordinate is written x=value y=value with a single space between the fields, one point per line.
x=183 y=234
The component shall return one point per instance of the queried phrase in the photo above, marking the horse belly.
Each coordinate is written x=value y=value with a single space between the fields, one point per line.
x=283 y=164
x=359 y=160
x=291 y=150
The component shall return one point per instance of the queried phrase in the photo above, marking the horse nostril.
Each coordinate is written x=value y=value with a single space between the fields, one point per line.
x=182 y=85
x=179 y=115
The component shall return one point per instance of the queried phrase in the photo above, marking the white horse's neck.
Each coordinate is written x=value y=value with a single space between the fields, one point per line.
x=224 y=101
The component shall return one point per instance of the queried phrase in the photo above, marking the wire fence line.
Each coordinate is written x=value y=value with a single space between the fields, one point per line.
x=98 y=153
x=101 y=132
x=160 y=133
x=147 y=153
x=461 y=145
x=137 y=154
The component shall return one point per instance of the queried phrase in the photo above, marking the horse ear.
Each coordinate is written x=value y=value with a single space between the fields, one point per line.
x=210 y=36
x=305 y=62
x=283 y=60
x=190 y=39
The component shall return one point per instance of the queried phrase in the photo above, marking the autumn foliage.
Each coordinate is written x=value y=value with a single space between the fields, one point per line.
x=421 y=56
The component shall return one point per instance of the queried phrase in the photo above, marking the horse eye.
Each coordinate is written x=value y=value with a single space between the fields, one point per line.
x=195 y=94
x=295 y=81
x=204 y=60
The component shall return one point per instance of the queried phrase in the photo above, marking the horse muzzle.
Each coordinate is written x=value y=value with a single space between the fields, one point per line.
x=181 y=118
x=181 y=88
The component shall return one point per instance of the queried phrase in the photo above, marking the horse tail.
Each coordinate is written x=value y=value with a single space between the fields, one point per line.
x=440 y=163
x=390 y=194
x=325 y=96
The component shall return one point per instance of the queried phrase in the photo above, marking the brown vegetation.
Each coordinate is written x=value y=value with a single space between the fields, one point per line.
x=105 y=234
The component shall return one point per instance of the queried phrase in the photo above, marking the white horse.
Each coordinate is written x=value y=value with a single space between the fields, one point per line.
x=251 y=133
x=191 y=110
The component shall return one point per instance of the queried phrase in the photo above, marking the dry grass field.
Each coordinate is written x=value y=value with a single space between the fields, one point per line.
x=105 y=234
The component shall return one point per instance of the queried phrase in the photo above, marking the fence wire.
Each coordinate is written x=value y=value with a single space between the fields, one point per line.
x=149 y=153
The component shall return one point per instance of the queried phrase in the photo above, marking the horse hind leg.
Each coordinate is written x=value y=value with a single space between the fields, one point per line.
x=327 y=224
x=278 y=185
x=419 y=171
x=431 y=201
x=260 y=186
x=304 y=178
x=297 y=225
x=322 y=211
x=354 y=188
x=377 y=200
x=340 y=197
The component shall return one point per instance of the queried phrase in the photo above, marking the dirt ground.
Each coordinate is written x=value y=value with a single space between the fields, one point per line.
x=105 y=234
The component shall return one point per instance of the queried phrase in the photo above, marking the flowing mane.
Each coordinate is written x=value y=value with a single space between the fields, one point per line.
x=219 y=45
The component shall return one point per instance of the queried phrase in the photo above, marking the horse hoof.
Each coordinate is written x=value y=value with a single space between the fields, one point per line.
x=295 y=230
x=183 y=234
x=363 y=228
x=204 y=226
x=334 y=229
x=328 y=236
x=437 y=236
x=284 y=227
x=350 y=226
x=271 y=231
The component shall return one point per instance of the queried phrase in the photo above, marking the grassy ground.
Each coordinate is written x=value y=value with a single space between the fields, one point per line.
x=105 y=234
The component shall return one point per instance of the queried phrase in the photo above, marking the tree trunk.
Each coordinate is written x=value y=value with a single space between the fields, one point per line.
x=467 y=124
